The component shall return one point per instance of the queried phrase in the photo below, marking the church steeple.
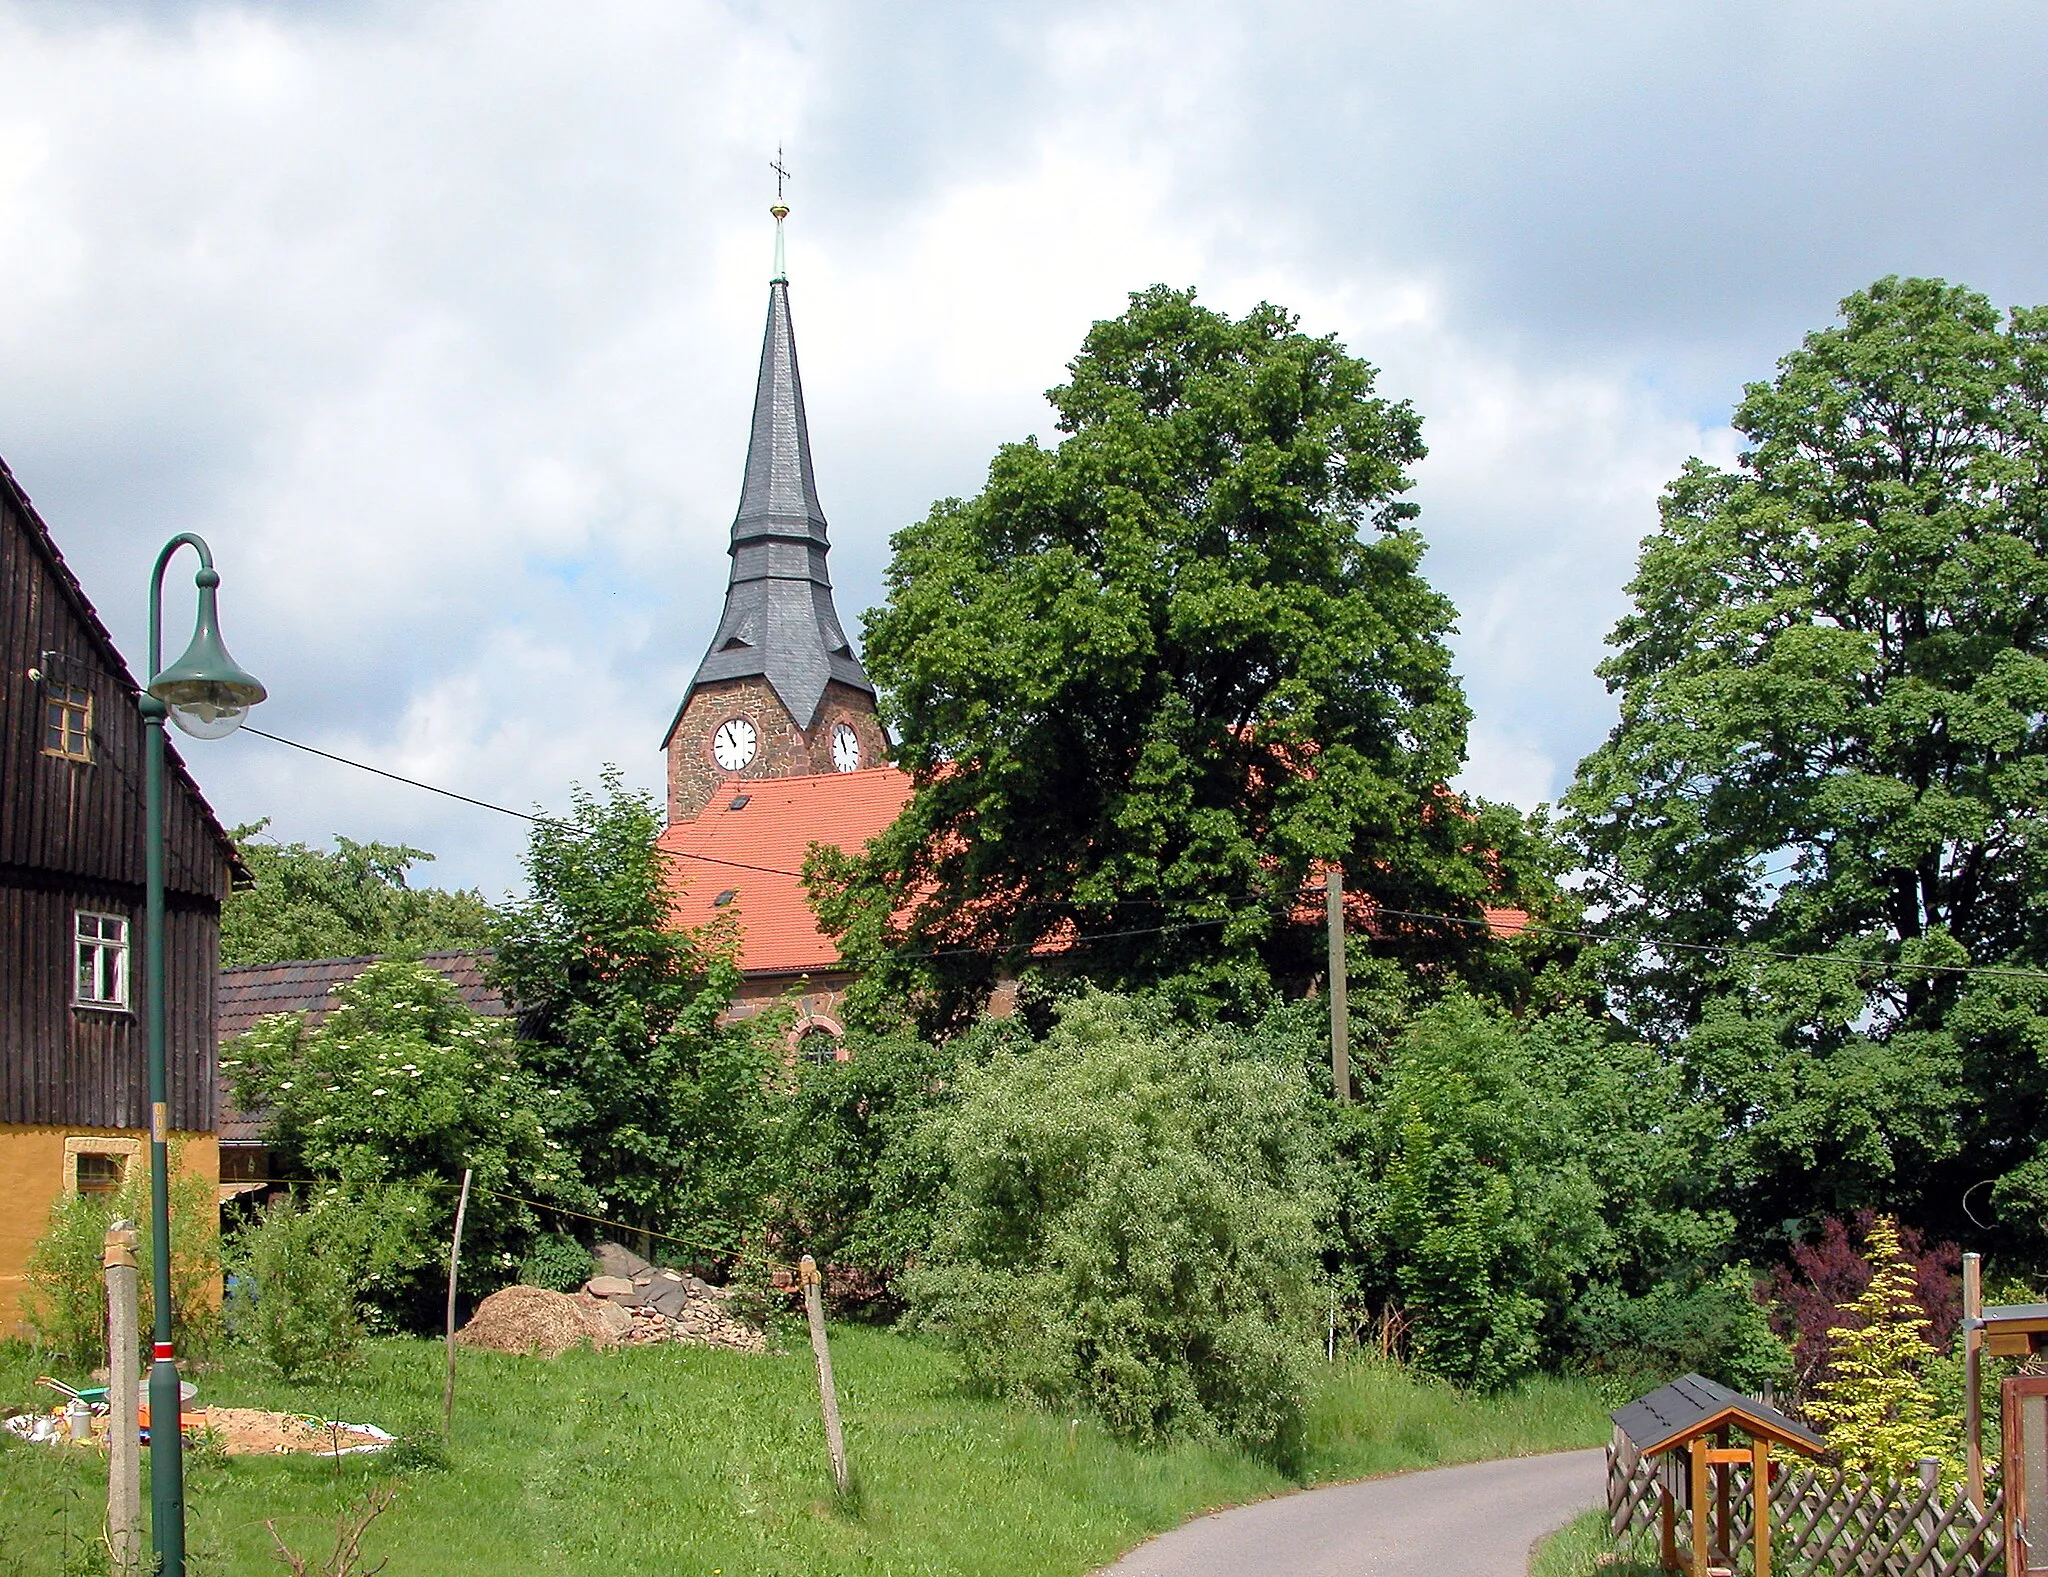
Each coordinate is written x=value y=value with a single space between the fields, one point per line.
x=779 y=622
x=779 y=693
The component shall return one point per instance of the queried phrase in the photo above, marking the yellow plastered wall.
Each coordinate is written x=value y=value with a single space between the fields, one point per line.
x=36 y=1166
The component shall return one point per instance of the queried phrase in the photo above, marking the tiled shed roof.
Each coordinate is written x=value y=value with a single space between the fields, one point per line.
x=249 y=992
x=779 y=821
x=1693 y=1404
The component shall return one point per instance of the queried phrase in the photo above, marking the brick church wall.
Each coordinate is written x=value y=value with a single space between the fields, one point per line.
x=783 y=750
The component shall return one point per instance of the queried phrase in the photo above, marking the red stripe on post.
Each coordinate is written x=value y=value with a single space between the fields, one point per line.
x=164 y=1354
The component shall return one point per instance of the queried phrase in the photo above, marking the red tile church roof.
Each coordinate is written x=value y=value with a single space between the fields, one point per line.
x=754 y=851
x=779 y=821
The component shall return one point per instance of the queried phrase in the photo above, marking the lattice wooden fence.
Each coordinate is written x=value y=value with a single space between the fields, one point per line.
x=1828 y=1522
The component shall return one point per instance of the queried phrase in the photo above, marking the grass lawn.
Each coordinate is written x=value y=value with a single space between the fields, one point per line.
x=1579 y=1548
x=687 y=1460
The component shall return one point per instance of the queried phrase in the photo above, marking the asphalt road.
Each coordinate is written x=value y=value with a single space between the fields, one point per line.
x=1478 y=1520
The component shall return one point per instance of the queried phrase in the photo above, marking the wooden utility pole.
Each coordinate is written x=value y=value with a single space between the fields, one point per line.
x=1973 y=1378
x=1340 y=1000
x=124 y=1432
x=454 y=1269
x=828 y=1394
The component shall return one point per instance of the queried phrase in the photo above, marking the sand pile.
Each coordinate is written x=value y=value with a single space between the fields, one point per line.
x=249 y=1431
x=239 y=1431
x=534 y=1320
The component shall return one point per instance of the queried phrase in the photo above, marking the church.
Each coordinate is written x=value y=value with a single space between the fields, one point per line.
x=777 y=743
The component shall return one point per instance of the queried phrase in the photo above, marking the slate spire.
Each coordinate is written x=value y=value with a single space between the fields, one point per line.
x=779 y=622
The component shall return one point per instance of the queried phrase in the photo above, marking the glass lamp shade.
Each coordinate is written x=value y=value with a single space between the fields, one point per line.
x=205 y=691
x=208 y=719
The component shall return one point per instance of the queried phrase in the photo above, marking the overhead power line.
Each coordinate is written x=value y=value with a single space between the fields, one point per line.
x=1731 y=949
x=504 y=810
x=1727 y=949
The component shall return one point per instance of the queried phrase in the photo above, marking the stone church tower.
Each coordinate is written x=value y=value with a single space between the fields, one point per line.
x=780 y=693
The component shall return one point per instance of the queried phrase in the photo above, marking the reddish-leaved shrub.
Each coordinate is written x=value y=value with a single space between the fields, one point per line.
x=1833 y=1270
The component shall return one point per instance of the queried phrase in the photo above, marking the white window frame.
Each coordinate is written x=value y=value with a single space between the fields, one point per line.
x=107 y=988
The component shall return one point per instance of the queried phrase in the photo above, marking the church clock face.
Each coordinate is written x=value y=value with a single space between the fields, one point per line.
x=845 y=748
x=732 y=747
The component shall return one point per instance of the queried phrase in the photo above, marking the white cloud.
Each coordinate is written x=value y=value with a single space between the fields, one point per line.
x=440 y=319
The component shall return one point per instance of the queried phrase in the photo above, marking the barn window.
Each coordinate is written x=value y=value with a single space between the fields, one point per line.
x=67 y=720
x=100 y=1174
x=102 y=978
x=98 y=1163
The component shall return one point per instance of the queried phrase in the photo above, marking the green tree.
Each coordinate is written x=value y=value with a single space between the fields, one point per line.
x=1834 y=741
x=384 y=1105
x=1130 y=1225
x=859 y=1165
x=1879 y=1412
x=1500 y=1172
x=352 y=902
x=1147 y=677
x=620 y=1007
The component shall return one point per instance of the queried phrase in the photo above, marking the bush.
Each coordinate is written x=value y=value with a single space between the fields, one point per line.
x=399 y=1090
x=1716 y=1328
x=66 y=1306
x=296 y=1289
x=1828 y=1272
x=1876 y=1406
x=557 y=1262
x=1130 y=1225
x=859 y=1164
x=1498 y=1167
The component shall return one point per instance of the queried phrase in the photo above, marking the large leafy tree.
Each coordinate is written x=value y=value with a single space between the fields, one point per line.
x=1834 y=741
x=1150 y=675
x=354 y=900
x=619 y=1010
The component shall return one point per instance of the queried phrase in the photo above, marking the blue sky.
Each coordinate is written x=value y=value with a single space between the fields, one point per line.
x=440 y=319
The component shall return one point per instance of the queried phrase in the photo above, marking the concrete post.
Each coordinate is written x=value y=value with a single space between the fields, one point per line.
x=124 y=1442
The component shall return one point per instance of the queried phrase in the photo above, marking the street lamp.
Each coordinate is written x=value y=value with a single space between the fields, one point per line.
x=207 y=696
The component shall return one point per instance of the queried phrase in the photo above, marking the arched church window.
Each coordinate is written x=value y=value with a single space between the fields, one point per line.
x=817 y=1044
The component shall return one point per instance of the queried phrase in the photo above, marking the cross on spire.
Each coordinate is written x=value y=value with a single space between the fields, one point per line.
x=781 y=174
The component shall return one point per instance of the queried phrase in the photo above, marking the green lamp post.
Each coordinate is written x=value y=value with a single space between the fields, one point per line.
x=207 y=696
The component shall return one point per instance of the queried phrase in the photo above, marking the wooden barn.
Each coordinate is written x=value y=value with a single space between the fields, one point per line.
x=74 y=1090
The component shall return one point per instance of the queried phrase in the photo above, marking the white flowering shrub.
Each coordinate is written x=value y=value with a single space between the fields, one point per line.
x=382 y=1107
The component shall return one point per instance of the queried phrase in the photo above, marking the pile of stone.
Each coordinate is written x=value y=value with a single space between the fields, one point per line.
x=664 y=1305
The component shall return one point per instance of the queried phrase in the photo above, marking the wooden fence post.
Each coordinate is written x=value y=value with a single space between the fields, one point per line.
x=1702 y=1505
x=828 y=1395
x=1973 y=1379
x=1760 y=1518
x=454 y=1269
x=124 y=1434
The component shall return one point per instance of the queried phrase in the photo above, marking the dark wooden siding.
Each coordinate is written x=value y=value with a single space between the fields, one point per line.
x=89 y=1067
x=72 y=816
x=71 y=838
